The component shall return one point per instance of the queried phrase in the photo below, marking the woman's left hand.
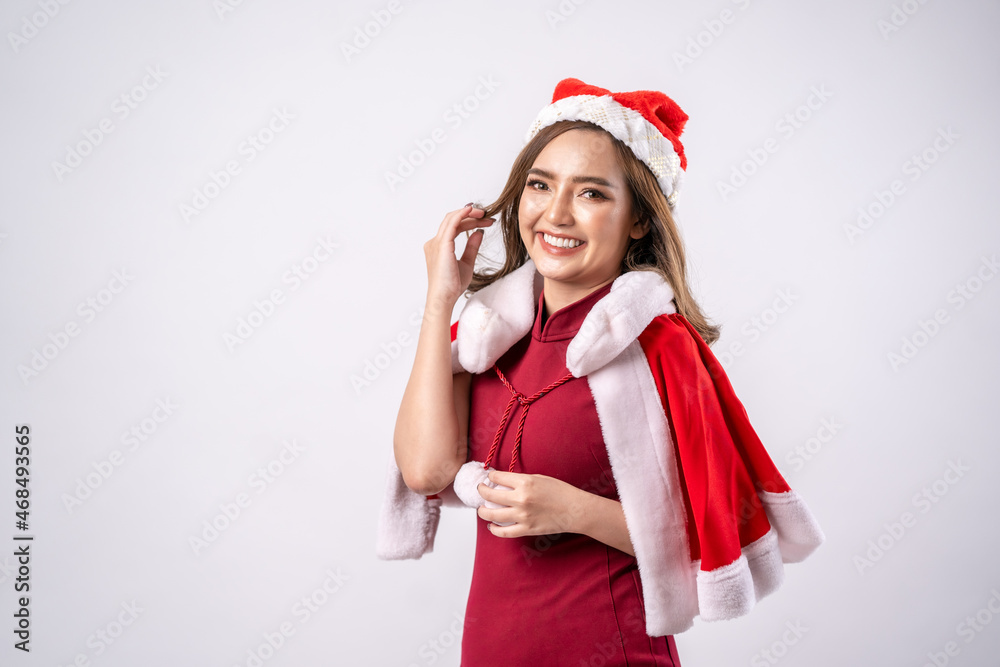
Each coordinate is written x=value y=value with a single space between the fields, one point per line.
x=535 y=504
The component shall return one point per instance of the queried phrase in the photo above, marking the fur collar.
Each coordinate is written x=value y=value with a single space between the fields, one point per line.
x=502 y=313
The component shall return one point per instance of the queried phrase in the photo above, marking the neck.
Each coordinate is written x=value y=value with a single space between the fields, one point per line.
x=556 y=295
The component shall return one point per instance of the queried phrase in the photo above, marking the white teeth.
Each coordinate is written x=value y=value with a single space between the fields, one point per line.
x=560 y=242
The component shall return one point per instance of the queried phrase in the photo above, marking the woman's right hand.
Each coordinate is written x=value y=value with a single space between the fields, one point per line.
x=447 y=276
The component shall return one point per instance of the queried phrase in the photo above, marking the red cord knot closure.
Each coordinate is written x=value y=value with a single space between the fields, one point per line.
x=526 y=401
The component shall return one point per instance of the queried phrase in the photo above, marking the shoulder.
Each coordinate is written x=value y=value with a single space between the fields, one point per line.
x=669 y=331
x=674 y=349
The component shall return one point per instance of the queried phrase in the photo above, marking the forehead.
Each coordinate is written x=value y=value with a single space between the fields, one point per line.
x=579 y=151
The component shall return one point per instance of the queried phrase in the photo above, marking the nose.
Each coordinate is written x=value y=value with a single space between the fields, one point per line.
x=559 y=211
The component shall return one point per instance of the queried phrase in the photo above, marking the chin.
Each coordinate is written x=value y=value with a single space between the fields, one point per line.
x=559 y=273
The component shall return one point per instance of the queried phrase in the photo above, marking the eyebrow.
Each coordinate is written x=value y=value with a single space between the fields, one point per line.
x=576 y=179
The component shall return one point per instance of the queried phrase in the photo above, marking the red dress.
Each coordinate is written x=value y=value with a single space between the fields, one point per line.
x=562 y=599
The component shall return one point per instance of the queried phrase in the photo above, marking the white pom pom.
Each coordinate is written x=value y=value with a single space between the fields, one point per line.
x=467 y=482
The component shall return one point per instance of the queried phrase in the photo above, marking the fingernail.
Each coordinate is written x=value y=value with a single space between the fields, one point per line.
x=469 y=204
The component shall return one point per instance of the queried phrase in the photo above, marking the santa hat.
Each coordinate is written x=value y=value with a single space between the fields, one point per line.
x=648 y=122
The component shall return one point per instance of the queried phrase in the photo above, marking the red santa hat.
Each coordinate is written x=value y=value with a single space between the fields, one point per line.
x=648 y=122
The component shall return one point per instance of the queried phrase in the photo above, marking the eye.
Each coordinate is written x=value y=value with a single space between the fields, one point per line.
x=597 y=194
x=532 y=183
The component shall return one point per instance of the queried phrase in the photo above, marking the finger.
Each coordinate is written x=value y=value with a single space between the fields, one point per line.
x=498 y=515
x=506 y=531
x=465 y=219
x=506 y=496
x=505 y=477
x=466 y=226
x=472 y=248
x=443 y=246
x=451 y=228
x=472 y=223
x=487 y=492
x=453 y=216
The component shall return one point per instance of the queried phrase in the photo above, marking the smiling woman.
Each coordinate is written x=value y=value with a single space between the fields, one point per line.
x=637 y=495
x=576 y=215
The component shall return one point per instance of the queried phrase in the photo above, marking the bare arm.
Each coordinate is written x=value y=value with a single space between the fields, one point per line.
x=430 y=441
x=431 y=436
x=604 y=521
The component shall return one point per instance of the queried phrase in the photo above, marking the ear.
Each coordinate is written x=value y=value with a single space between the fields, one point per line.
x=639 y=228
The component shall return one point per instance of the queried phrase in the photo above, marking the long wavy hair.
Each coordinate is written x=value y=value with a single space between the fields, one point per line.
x=660 y=249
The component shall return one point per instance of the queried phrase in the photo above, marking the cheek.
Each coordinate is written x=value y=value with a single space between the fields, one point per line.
x=528 y=206
x=611 y=230
x=528 y=211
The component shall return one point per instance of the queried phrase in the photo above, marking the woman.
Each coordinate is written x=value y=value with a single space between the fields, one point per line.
x=637 y=495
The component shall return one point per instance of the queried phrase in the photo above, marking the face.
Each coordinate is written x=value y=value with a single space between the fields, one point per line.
x=575 y=214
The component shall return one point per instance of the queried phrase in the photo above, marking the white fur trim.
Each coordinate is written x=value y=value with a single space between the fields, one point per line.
x=502 y=313
x=628 y=126
x=408 y=520
x=764 y=559
x=798 y=531
x=726 y=592
x=732 y=591
x=640 y=450
x=635 y=299
x=496 y=317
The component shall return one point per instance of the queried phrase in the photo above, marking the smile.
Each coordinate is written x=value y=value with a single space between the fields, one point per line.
x=559 y=242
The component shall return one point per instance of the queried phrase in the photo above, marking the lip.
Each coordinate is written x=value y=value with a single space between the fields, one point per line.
x=556 y=250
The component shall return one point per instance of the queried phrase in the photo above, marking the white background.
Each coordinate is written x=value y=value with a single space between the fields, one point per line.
x=160 y=333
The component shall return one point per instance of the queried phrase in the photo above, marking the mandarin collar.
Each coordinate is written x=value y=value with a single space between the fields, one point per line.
x=565 y=322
